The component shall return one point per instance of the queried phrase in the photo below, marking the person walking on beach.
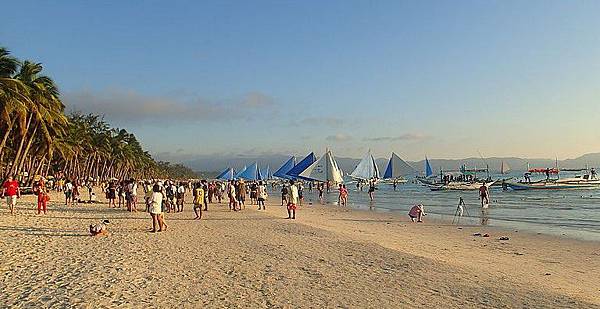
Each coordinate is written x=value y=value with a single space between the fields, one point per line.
x=484 y=195
x=12 y=191
x=293 y=201
x=241 y=194
x=205 y=188
x=320 y=188
x=180 y=196
x=68 y=189
x=111 y=194
x=343 y=195
x=284 y=194
x=198 y=200
x=253 y=193
x=156 y=211
x=231 y=195
x=261 y=193
x=417 y=212
x=39 y=188
x=133 y=194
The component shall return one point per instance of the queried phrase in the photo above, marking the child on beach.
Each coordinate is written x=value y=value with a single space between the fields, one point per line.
x=198 y=200
x=99 y=229
x=417 y=212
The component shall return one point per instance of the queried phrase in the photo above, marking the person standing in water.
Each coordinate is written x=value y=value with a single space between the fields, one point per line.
x=320 y=189
x=372 y=190
x=484 y=195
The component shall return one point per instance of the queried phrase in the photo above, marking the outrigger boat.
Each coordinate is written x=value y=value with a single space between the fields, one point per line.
x=586 y=181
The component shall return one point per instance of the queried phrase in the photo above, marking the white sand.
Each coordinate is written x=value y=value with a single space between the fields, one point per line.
x=328 y=257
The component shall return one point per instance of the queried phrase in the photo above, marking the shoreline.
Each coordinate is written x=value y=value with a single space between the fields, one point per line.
x=327 y=257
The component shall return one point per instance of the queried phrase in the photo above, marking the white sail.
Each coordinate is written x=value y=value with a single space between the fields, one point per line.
x=398 y=168
x=504 y=168
x=366 y=169
x=325 y=169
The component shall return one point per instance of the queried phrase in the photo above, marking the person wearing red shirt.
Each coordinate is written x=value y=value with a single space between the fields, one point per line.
x=10 y=190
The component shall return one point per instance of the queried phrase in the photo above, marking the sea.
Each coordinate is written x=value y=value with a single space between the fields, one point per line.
x=566 y=213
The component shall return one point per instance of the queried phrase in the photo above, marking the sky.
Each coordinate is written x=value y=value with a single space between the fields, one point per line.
x=446 y=79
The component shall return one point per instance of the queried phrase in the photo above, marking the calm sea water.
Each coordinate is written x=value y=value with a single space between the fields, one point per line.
x=570 y=213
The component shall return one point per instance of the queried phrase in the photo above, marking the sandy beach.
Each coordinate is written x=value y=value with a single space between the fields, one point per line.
x=329 y=257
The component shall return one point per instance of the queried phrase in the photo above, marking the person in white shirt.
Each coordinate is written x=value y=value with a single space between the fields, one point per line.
x=293 y=200
x=180 y=197
x=261 y=195
x=156 y=211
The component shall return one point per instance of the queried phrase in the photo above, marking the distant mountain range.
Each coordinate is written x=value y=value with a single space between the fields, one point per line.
x=219 y=163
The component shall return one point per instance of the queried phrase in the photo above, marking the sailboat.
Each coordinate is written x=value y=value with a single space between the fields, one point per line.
x=366 y=169
x=227 y=174
x=237 y=176
x=251 y=173
x=286 y=167
x=504 y=168
x=397 y=169
x=301 y=166
x=325 y=170
x=428 y=169
x=266 y=174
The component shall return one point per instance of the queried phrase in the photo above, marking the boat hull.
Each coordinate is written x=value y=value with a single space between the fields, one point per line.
x=519 y=186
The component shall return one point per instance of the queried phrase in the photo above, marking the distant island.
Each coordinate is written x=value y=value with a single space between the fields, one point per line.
x=213 y=163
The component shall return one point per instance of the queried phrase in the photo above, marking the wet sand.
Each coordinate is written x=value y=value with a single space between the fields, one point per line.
x=328 y=257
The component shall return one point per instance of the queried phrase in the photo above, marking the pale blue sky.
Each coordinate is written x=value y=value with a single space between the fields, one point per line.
x=442 y=78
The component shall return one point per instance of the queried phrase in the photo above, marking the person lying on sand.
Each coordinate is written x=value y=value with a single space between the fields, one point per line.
x=417 y=212
x=99 y=229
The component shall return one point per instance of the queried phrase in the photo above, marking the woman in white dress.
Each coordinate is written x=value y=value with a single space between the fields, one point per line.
x=156 y=209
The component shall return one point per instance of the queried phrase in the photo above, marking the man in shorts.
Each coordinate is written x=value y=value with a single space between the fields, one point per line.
x=11 y=190
x=484 y=195
x=292 y=201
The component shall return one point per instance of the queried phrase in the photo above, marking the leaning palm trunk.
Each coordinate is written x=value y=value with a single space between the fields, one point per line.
x=20 y=149
x=26 y=151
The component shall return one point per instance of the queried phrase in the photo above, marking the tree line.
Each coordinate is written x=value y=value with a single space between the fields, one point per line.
x=39 y=138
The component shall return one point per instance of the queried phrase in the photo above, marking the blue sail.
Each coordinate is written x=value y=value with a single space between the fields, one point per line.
x=265 y=174
x=428 y=170
x=286 y=167
x=237 y=176
x=301 y=166
x=397 y=168
x=227 y=174
x=250 y=173
x=388 y=170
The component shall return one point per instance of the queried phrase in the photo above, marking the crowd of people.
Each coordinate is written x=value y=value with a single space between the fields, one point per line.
x=169 y=196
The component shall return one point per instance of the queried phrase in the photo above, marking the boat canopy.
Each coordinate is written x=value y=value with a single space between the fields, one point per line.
x=544 y=170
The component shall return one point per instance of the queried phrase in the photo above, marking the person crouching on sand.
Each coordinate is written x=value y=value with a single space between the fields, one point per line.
x=156 y=209
x=417 y=212
x=99 y=229
x=293 y=200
